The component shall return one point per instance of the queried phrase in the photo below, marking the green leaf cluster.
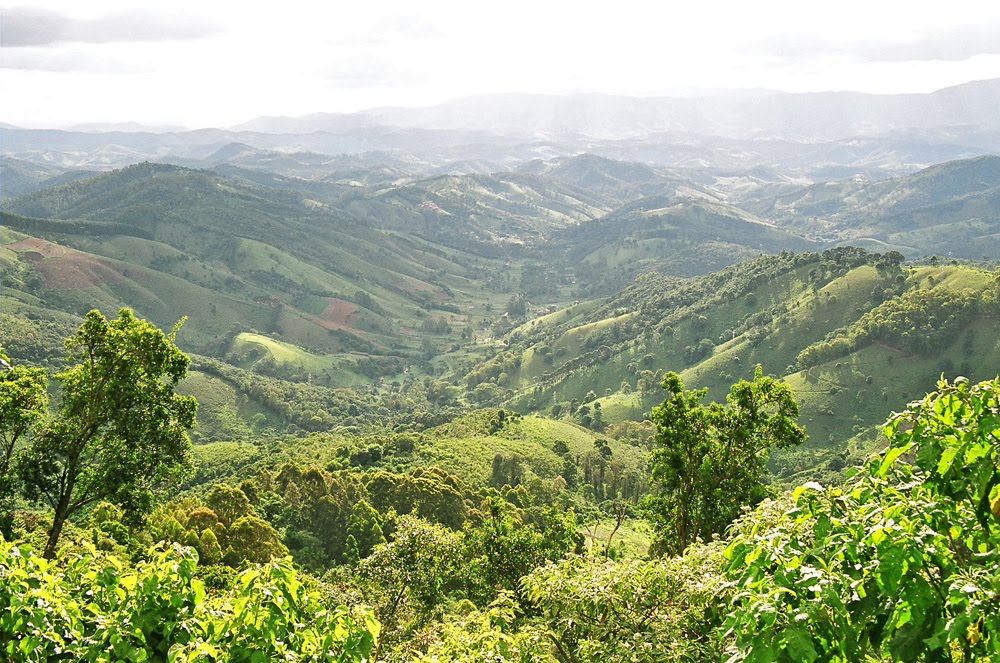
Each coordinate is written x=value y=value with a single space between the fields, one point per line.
x=902 y=562
x=93 y=607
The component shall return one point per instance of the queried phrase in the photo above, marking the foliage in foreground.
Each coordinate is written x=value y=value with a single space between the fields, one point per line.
x=94 y=607
x=902 y=562
x=598 y=610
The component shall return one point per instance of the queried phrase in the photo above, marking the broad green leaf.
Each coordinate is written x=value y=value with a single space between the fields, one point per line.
x=891 y=456
x=799 y=645
x=947 y=458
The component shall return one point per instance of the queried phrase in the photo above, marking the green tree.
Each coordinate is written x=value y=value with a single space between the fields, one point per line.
x=229 y=503
x=406 y=579
x=365 y=528
x=252 y=539
x=209 y=550
x=119 y=429
x=503 y=549
x=630 y=611
x=483 y=635
x=708 y=461
x=23 y=403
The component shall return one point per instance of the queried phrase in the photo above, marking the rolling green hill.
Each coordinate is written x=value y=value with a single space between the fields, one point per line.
x=618 y=181
x=20 y=176
x=233 y=257
x=948 y=209
x=855 y=334
x=668 y=235
x=382 y=296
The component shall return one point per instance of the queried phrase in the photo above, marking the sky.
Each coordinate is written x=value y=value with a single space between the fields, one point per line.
x=218 y=63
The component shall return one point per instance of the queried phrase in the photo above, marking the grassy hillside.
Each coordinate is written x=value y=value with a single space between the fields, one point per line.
x=948 y=209
x=325 y=303
x=668 y=235
x=234 y=258
x=855 y=334
x=619 y=181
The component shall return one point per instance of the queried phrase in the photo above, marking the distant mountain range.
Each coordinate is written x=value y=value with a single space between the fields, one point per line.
x=742 y=114
x=821 y=136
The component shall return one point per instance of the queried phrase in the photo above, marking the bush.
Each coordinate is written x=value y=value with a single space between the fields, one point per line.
x=91 y=606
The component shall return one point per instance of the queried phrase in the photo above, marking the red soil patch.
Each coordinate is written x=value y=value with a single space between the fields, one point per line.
x=63 y=268
x=47 y=249
x=413 y=286
x=338 y=314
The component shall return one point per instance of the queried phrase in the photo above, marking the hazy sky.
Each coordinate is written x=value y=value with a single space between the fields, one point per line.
x=218 y=63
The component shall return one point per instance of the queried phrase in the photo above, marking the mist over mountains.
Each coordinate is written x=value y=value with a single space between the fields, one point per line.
x=822 y=135
x=735 y=114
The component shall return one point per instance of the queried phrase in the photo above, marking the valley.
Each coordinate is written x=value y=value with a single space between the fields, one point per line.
x=432 y=361
x=562 y=285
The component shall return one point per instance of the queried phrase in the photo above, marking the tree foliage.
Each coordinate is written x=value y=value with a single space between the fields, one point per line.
x=709 y=461
x=119 y=429
x=490 y=634
x=902 y=562
x=590 y=607
x=23 y=403
x=407 y=579
x=919 y=321
x=94 y=607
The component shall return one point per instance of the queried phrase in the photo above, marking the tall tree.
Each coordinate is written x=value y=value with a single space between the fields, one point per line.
x=23 y=404
x=119 y=428
x=709 y=461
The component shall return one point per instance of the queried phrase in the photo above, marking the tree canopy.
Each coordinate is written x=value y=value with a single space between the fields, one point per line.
x=23 y=401
x=118 y=429
x=709 y=461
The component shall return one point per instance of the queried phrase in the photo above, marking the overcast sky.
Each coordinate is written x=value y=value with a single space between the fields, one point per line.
x=218 y=63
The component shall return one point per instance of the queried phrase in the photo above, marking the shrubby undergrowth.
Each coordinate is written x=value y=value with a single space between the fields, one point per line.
x=91 y=606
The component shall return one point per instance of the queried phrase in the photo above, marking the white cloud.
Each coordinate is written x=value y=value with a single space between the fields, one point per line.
x=26 y=26
x=241 y=59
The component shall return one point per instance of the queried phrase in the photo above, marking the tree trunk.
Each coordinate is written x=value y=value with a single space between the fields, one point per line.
x=50 y=546
x=58 y=520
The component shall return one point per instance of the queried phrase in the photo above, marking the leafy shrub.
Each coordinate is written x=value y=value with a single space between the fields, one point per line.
x=94 y=607
x=902 y=562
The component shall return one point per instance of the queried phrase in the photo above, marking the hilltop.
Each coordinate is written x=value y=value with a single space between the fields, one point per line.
x=946 y=209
